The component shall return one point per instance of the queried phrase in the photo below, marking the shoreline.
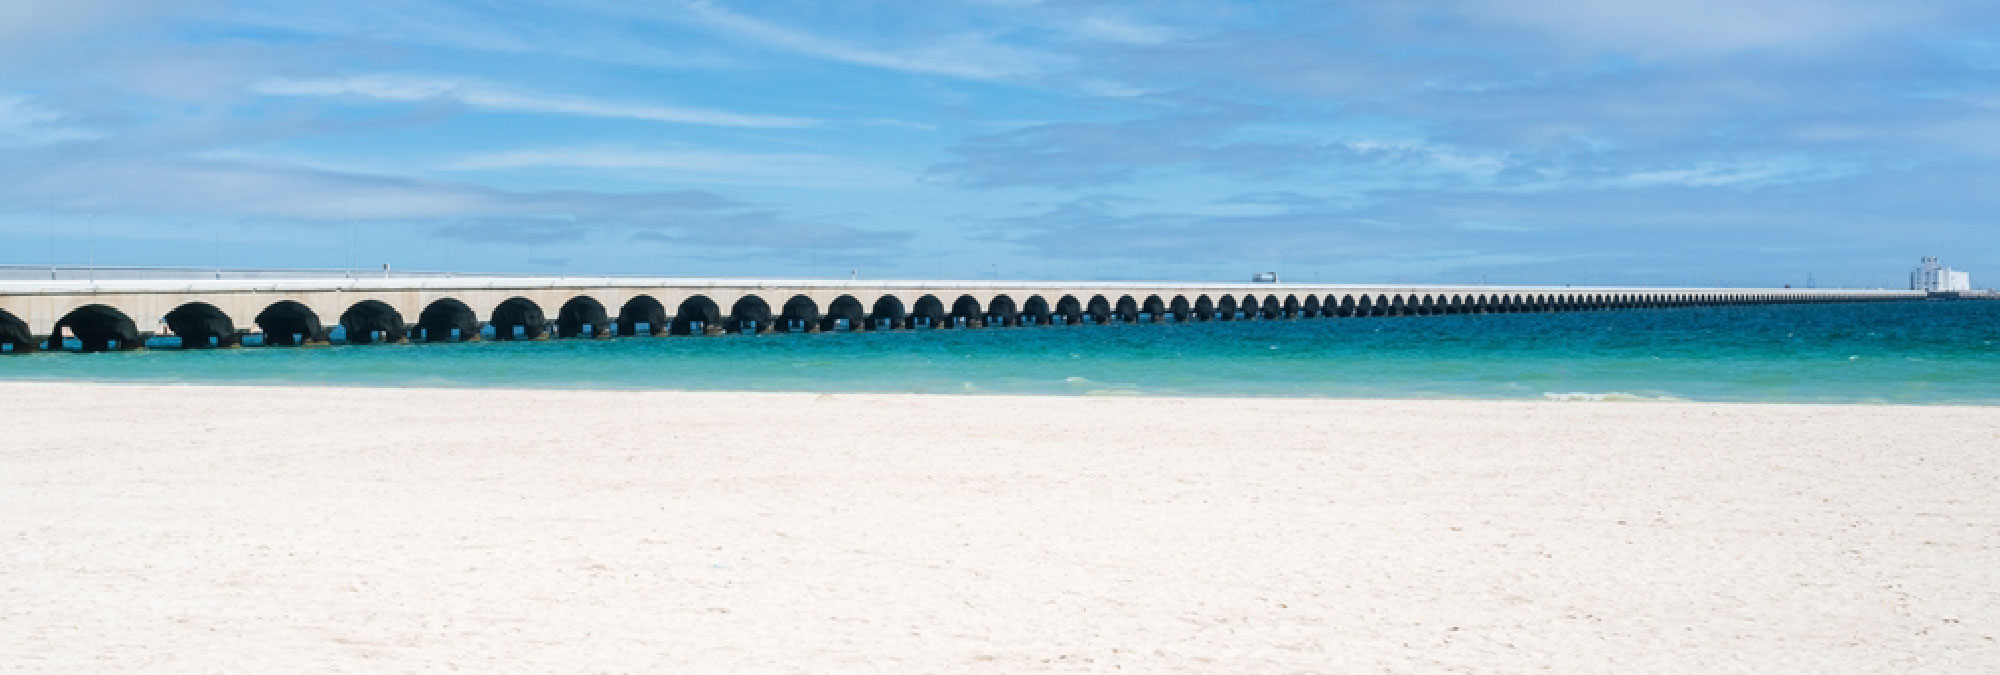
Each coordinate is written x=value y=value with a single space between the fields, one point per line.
x=1580 y=397
x=201 y=527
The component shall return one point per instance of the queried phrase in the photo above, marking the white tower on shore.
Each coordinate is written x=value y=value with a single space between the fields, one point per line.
x=1930 y=276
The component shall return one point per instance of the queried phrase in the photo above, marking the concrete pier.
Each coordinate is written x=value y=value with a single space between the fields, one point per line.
x=123 y=314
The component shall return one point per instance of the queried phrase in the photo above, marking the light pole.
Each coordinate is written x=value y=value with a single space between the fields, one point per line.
x=90 y=245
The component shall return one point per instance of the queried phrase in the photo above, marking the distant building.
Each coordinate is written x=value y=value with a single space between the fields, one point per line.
x=1930 y=276
x=1264 y=278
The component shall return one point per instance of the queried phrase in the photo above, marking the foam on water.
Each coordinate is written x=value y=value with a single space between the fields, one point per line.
x=1910 y=352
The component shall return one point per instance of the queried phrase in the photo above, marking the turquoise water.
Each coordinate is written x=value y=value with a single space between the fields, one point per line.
x=1909 y=352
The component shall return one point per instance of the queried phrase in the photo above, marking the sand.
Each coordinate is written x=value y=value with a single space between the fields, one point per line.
x=224 y=529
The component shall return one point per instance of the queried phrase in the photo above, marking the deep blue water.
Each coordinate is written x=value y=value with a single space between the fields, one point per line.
x=1906 y=352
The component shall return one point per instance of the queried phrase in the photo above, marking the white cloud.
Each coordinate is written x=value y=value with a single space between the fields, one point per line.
x=963 y=55
x=695 y=165
x=1666 y=28
x=478 y=95
x=1107 y=29
x=290 y=192
x=25 y=123
x=509 y=28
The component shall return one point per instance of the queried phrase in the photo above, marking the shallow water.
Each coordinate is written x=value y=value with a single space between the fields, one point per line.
x=1906 y=352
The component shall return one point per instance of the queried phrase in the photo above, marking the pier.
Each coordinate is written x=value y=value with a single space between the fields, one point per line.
x=106 y=315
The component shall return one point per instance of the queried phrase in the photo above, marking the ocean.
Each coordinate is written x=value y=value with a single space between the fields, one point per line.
x=1902 y=352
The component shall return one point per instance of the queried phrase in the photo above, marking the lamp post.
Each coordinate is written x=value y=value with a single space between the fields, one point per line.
x=90 y=246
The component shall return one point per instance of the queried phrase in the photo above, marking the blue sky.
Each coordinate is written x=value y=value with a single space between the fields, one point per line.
x=1498 y=141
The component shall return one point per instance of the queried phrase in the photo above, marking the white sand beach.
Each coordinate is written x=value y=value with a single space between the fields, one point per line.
x=270 y=529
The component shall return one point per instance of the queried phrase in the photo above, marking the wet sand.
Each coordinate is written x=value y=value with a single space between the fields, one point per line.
x=293 y=529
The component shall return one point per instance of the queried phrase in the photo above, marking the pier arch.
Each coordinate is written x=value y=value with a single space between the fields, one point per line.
x=1127 y=309
x=97 y=328
x=887 y=314
x=200 y=325
x=1347 y=306
x=1273 y=308
x=520 y=313
x=1290 y=307
x=371 y=321
x=1099 y=310
x=1035 y=311
x=641 y=309
x=1070 y=310
x=697 y=315
x=1250 y=307
x=844 y=313
x=1179 y=308
x=1153 y=310
x=928 y=313
x=801 y=314
x=288 y=323
x=1225 y=309
x=749 y=314
x=583 y=315
x=15 y=336
x=1204 y=308
x=966 y=312
x=1311 y=307
x=1002 y=312
x=447 y=320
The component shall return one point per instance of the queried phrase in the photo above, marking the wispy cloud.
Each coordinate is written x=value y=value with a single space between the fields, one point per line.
x=1667 y=28
x=770 y=234
x=24 y=123
x=277 y=192
x=694 y=165
x=965 y=54
x=1107 y=29
x=474 y=94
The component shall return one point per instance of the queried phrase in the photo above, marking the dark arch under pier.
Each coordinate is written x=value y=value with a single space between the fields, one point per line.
x=1002 y=312
x=1225 y=309
x=371 y=321
x=641 y=310
x=584 y=315
x=1310 y=307
x=697 y=315
x=1127 y=309
x=965 y=311
x=1272 y=308
x=200 y=325
x=887 y=314
x=1204 y=308
x=1153 y=309
x=97 y=328
x=518 y=314
x=928 y=313
x=1180 y=309
x=1035 y=311
x=750 y=314
x=1071 y=310
x=1098 y=309
x=447 y=320
x=14 y=334
x=800 y=313
x=844 y=308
